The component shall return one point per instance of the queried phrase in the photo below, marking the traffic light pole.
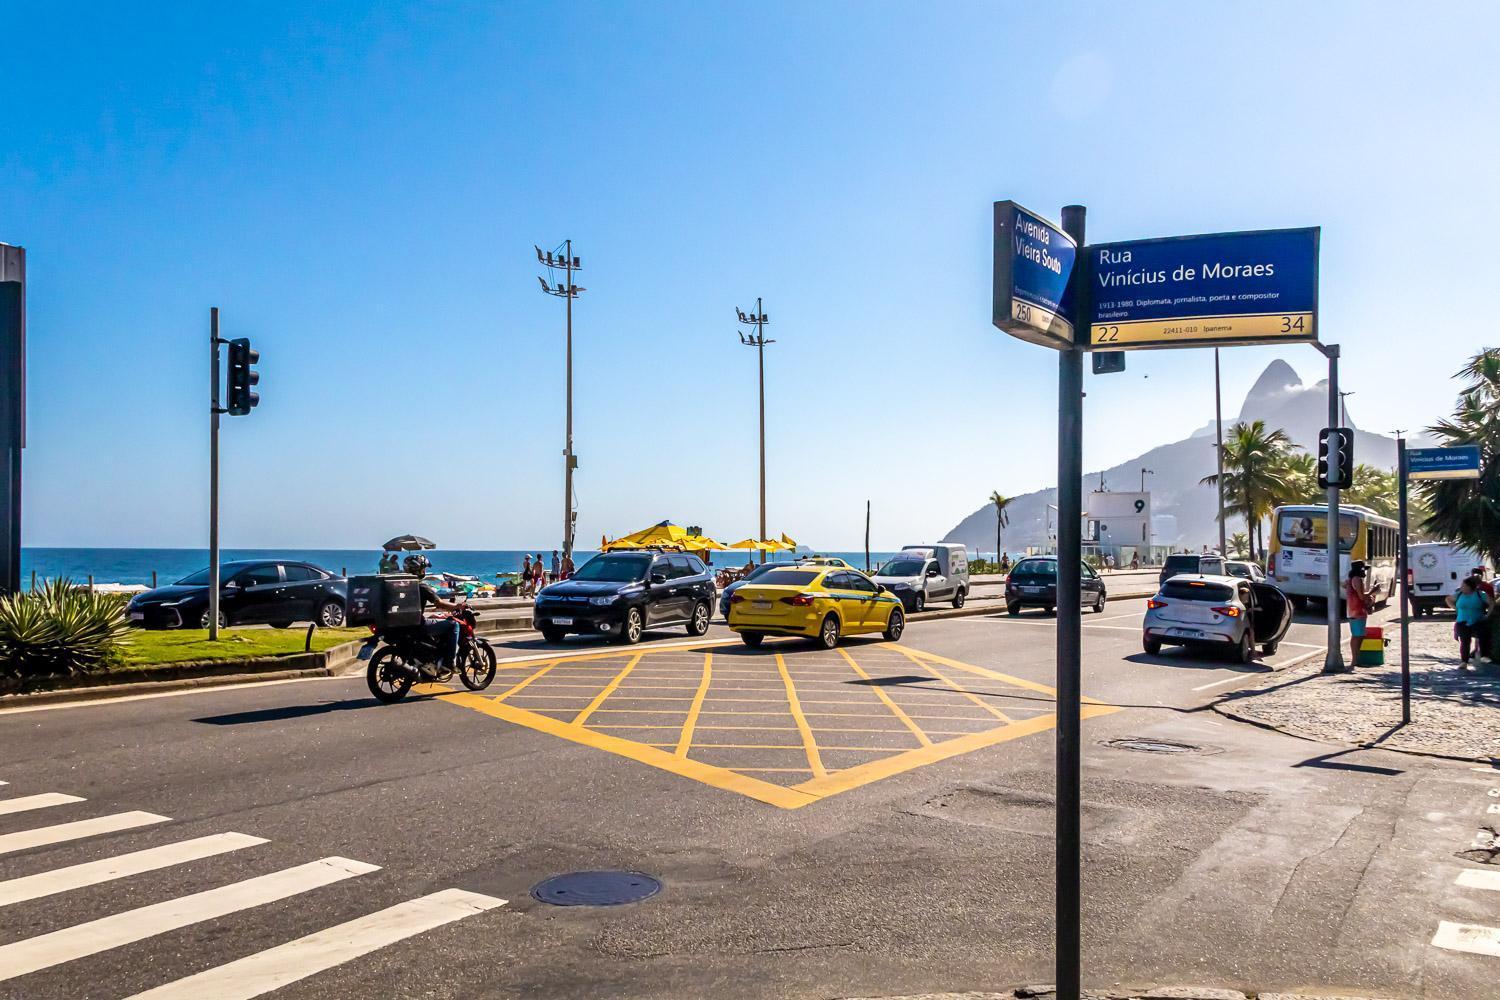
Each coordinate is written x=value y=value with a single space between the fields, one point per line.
x=1333 y=660
x=213 y=475
x=1403 y=568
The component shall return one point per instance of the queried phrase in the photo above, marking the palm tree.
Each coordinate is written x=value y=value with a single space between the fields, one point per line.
x=1373 y=488
x=1254 y=474
x=1300 y=470
x=1467 y=511
x=1002 y=518
x=1239 y=545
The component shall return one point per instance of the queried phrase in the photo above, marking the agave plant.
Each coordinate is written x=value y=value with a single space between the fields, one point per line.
x=59 y=629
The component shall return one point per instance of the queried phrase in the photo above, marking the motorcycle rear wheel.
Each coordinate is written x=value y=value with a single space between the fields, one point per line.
x=388 y=676
x=478 y=667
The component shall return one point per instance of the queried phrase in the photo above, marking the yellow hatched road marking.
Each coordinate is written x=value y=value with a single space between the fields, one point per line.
x=896 y=709
x=517 y=687
x=813 y=760
x=686 y=740
x=934 y=671
x=609 y=689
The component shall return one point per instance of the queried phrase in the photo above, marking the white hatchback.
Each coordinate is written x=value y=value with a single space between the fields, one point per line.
x=1219 y=612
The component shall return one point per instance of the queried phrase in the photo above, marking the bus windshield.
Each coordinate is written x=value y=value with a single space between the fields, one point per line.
x=1309 y=529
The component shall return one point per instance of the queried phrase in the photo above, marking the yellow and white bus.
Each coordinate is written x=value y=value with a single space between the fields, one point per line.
x=1299 y=549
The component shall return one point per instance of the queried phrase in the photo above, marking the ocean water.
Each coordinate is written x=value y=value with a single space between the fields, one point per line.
x=135 y=566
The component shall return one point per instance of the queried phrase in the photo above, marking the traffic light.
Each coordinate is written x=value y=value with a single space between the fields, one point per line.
x=1335 y=457
x=242 y=375
x=1108 y=362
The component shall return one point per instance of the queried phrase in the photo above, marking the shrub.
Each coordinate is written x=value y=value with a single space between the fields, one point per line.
x=59 y=630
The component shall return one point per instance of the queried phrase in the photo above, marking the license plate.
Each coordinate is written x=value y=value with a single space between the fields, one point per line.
x=1185 y=633
x=761 y=605
x=1032 y=590
x=562 y=621
x=137 y=616
x=1429 y=586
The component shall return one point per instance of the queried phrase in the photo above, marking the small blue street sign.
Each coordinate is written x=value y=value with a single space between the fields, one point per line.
x=1459 y=462
x=1033 y=262
x=1191 y=291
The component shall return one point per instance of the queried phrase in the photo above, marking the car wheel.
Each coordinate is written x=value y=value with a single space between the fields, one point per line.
x=1013 y=609
x=1048 y=609
x=634 y=626
x=203 y=619
x=1151 y=646
x=699 y=623
x=959 y=597
x=920 y=603
x=895 y=625
x=331 y=614
x=1246 y=648
x=1269 y=649
x=828 y=632
x=281 y=624
x=1099 y=604
x=752 y=639
x=553 y=635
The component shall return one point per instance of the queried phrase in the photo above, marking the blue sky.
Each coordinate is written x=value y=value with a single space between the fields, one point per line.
x=358 y=188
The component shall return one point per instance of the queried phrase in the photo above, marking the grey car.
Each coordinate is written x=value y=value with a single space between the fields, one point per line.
x=1222 y=613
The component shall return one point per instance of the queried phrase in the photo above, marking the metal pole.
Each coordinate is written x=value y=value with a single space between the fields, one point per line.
x=1069 y=629
x=1333 y=662
x=760 y=338
x=1401 y=567
x=213 y=476
x=1219 y=450
x=568 y=449
x=867 y=536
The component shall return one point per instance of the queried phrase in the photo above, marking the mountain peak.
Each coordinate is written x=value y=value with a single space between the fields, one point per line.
x=1275 y=383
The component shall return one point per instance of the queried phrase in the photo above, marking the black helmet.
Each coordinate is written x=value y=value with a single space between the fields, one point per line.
x=416 y=565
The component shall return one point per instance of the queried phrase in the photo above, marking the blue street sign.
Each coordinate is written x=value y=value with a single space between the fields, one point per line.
x=1033 y=261
x=1460 y=462
x=1186 y=291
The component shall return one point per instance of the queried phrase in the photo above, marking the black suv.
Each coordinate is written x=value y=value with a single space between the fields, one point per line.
x=621 y=594
x=1210 y=564
x=258 y=592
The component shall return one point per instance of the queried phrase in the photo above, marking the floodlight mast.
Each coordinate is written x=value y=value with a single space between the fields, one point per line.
x=567 y=290
x=758 y=341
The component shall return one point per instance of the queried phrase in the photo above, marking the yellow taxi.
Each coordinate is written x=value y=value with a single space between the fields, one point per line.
x=818 y=602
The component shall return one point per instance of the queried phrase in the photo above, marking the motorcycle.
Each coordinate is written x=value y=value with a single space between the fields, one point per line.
x=409 y=654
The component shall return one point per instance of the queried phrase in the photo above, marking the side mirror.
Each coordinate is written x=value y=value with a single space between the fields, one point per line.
x=658 y=578
x=231 y=585
x=932 y=571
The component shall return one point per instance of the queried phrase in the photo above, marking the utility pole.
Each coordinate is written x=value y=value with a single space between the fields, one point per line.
x=12 y=411
x=1147 y=532
x=1219 y=449
x=1404 y=577
x=214 y=410
x=867 y=536
x=563 y=260
x=758 y=341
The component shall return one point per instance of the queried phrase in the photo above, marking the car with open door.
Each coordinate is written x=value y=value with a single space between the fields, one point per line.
x=1218 y=613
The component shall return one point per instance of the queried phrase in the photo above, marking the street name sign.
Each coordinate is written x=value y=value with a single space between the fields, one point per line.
x=1460 y=462
x=1214 y=290
x=1033 y=261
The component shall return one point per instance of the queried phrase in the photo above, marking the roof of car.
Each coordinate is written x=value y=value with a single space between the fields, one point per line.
x=1207 y=578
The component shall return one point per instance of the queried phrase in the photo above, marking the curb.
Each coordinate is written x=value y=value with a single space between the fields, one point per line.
x=998 y=605
x=1309 y=737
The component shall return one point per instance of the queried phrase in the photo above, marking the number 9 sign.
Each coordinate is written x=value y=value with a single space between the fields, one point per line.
x=1140 y=506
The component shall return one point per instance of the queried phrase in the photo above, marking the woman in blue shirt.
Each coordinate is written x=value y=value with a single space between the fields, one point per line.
x=1472 y=606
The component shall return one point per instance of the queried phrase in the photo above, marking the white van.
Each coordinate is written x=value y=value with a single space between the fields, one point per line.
x=922 y=574
x=1436 y=569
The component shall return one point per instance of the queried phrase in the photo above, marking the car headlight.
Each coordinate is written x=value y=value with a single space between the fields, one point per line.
x=601 y=601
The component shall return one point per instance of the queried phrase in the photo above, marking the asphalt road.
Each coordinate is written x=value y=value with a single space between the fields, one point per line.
x=874 y=820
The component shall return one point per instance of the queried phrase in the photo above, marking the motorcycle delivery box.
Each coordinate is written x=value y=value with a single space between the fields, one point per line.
x=393 y=601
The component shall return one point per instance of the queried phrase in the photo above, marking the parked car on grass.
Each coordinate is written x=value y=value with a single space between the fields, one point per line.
x=621 y=594
x=815 y=602
x=251 y=592
x=1222 y=613
x=1033 y=584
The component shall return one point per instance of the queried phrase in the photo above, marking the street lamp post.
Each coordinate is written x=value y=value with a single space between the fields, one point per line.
x=1344 y=408
x=758 y=341
x=1147 y=532
x=1219 y=450
x=566 y=290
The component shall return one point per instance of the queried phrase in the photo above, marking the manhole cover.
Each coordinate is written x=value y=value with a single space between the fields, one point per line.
x=596 y=888
x=1151 y=745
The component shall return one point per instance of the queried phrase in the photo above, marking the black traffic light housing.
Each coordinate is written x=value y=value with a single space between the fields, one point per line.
x=242 y=376
x=1335 y=457
x=1108 y=362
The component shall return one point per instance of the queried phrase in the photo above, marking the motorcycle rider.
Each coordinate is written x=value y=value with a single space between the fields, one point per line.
x=443 y=630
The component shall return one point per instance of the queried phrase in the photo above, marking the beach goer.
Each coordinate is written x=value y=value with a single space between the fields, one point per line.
x=1005 y=563
x=1484 y=585
x=1471 y=606
x=538 y=575
x=1358 y=595
x=388 y=564
x=567 y=568
x=1135 y=561
x=556 y=566
x=526 y=575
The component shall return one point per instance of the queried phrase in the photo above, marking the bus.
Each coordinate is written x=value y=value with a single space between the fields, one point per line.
x=1298 y=563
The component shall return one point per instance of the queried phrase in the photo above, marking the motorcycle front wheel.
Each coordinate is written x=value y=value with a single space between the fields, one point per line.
x=389 y=677
x=478 y=667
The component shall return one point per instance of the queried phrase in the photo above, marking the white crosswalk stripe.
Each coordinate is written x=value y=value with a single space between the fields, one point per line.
x=27 y=802
x=272 y=969
x=18 y=890
x=1471 y=938
x=43 y=836
x=1473 y=878
x=71 y=943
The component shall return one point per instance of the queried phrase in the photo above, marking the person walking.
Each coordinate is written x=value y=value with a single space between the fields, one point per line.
x=556 y=567
x=566 y=568
x=538 y=575
x=1358 y=596
x=526 y=575
x=1472 y=607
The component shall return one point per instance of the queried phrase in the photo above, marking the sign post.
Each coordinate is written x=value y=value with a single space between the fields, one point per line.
x=12 y=410
x=1460 y=462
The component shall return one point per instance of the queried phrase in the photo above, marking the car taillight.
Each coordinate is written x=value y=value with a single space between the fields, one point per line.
x=1153 y=604
x=1227 y=611
x=1271 y=565
x=736 y=598
x=798 y=600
